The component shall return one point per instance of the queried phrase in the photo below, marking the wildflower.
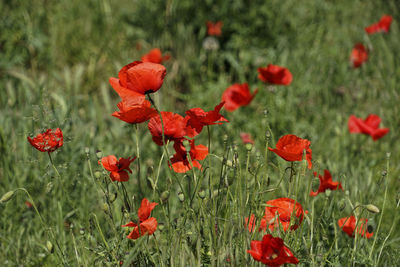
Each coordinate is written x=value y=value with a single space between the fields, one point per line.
x=135 y=109
x=155 y=56
x=214 y=28
x=348 y=225
x=326 y=183
x=180 y=162
x=369 y=126
x=359 y=55
x=237 y=95
x=383 y=25
x=48 y=141
x=275 y=74
x=271 y=251
x=117 y=168
x=28 y=204
x=291 y=147
x=246 y=138
x=174 y=127
x=250 y=223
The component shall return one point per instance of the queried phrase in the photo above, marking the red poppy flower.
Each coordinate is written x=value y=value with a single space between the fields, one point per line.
x=48 y=141
x=146 y=225
x=326 y=183
x=155 y=56
x=214 y=28
x=348 y=225
x=180 y=162
x=280 y=211
x=291 y=147
x=250 y=223
x=246 y=138
x=174 y=127
x=271 y=251
x=359 y=55
x=197 y=118
x=383 y=25
x=275 y=74
x=369 y=126
x=135 y=110
x=140 y=77
x=237 y=95
x=28 y=204
x=117 y=168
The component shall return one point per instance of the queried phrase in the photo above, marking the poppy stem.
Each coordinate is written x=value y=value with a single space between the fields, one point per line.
x=138 y=160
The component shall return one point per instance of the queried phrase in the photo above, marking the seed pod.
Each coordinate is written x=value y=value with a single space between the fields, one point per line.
x=372 y=208
x=97 y=174
x=99 y=154
x=164 y=196
x=7 y=196
x=181 y=197
x=249 y=147
x=49 y=246
x=202 y=194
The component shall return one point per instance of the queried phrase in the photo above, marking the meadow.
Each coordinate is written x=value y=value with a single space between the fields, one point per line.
x=62 y=209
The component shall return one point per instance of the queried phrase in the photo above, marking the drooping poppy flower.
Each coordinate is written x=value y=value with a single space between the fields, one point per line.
x=197 y=118
x=246 y=138
x=118 y=168
x=383 y=25
x=271 y=251
x=237 y=95
x=275 y=74
x=155 y=56
x=140 y=77
x=348 y=225
x=174 y=127
x=280 y=211
x=180 y=162
x=291 y=147
x=48 y=141
x=214 y=28
x=359 y=55
x=326 y=182
x=369 y=126
x=135 y=109
x=146 y=225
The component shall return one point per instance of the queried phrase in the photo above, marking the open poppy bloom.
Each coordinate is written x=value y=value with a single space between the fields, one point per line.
x=291 y=147
x=197 y=118
x=180 y=162
x=146 y=225
x=275 y=74
x=348 y=225
x=246 y=138
x=48 y=141
x=279 y=212
x=155 y=56
x=369 y=126
x=359 y=55
x=237 y=95
x=214 y=28
x=174 y=127
x=118 y=168
x=140 y=77
x=135 y=109
x=326 y=182
x=383 y=25
x=271 y=251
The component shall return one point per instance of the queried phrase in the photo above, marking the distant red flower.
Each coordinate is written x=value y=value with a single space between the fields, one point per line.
x=280 y=211
x=275 y=74
x=291 y=147
x=174 y=127
x=146 y=225
x=237 y=95
x=369 y=126
x=250 y=223
x=348 y=225
x=197 y=118
x=383 y=25
x=140 y=77
x=180 y=162
x=271 y=251
x=326 y=183
x=214 y=28
x=117 y=168
x=359 y=55
x=155 y=56
x=48 y=141
x=28 y=204
x=135 y=109
x=246 y=138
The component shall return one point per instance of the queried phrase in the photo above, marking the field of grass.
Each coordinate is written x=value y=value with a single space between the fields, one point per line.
x=55 y=61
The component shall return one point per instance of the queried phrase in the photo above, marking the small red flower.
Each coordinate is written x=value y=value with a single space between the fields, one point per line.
x=348 y=225
x=275 y=74
x=135 y=109
x=28 y=204
x=271 y=251
x=146 y=225
x=180 y=162
x=359 y=55
x=246 y=138
x=291 y=147
x=237 y=95
x=174 y=127
x=117 y=168
x=48 y=141
x=326 y=183
x=369 y=126
x=155 y=56
x=383 y=25
x=214 y=28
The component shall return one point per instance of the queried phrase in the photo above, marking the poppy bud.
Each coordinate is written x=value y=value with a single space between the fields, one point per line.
x=87 y=150
x=229 y=163
x=328 y=192
x=49 y=246
x=49 y=187
x=150 y=183
x=342 y=204
x=186 y=144
x=164 y=196
x=97 y=174
x=82 y=231
x=372 y=208
x=225 y=138
x=160 y=226
x=99 y=154
x=202 y=194
x=249 y=147
x=105 y=208
x=388 y=155
x=112 y=197
x=181 y=197
x=7 y=196
x=265 y=112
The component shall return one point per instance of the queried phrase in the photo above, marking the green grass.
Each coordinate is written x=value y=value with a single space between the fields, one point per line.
x=55 y=61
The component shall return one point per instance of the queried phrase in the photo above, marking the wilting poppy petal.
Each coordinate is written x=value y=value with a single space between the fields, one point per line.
x=382 y=26
x=326 y=183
